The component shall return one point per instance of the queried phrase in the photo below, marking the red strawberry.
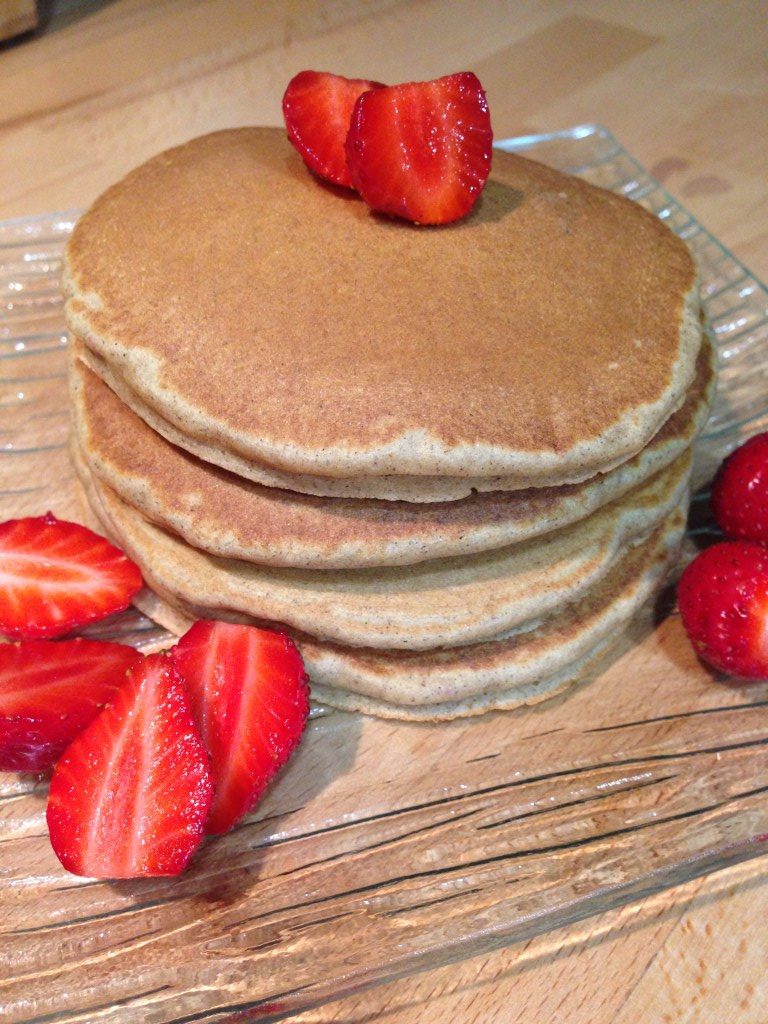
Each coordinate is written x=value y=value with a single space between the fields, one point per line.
x=317 y=107
x=723 y=600
x=49 y=691
x=422 y=151
x=251 y=700
x=130 y=795
x=740 y=491
x=55 y=576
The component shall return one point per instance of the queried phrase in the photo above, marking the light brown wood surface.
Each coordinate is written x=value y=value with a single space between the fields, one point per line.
x=17 y=16
x=684 y=85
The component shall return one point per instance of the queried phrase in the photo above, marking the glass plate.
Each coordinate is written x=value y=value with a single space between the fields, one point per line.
x=388 y=848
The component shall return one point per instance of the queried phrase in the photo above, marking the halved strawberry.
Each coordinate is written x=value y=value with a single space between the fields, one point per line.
x=250 y=699
x=422 y=150
x=317 y=107
x=723 y=601
x=130 y=795
x=56 y=576
x=50 y=691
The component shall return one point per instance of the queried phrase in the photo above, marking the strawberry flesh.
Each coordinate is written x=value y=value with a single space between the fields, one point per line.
x=723 y=601
x=50 y=691
x=250 y=699
x=129 y=797
x=317 y=107
x=422 y=150
x=56 y=576
x=740 y=492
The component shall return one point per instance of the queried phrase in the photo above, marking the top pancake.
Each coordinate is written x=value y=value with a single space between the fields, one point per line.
x=547 y=336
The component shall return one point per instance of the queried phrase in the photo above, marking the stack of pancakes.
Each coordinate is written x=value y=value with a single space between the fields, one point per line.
x=451 y=462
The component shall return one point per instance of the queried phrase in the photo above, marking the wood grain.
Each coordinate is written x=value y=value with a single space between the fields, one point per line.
x=684 y=86
x=17 y=16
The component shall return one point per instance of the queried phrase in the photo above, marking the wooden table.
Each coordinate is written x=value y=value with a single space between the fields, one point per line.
x=684 y=86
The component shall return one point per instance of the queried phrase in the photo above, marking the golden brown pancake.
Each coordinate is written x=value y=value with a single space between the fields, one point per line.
x=546 y=337
x=235 y=518
x=397 y=488
x=177 y=622
x=442 y=603
x=501 y=673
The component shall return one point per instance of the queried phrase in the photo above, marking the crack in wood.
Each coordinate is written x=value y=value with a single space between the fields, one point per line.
x=508 y=856
x=510 y=784
x=682 y=714
x=120 y=911
x=57 y=1017
x=593 y=797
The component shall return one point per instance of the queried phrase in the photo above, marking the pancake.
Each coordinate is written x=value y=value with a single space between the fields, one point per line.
x=443 y=603
x=477 y=671
x=412 y=489
x=495 y=675
x=176 y=622
x=225 y=515
x=272 y=319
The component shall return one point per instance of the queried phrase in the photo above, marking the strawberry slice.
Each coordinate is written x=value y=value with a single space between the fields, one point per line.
x=250 y=699
x=422 y=151
x=130 y=795
x=56 y=576
x=723 y=601
x=317 y=107
x=49 y=691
